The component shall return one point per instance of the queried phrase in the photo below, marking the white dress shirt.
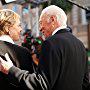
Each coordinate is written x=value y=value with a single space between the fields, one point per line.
x=58 y=29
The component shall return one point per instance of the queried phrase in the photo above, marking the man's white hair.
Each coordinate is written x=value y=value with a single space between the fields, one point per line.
x=58 y=12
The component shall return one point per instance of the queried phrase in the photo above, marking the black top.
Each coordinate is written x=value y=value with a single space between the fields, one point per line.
x=20 y=57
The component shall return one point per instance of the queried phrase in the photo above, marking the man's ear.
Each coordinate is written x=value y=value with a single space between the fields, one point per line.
x=53 y=18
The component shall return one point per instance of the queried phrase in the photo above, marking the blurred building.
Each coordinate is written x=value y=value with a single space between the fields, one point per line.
x=79 y=24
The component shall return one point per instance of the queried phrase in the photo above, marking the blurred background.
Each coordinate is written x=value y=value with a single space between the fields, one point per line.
x=78 y=13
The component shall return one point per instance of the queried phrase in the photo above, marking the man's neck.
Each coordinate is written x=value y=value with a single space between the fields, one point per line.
x=57 y=29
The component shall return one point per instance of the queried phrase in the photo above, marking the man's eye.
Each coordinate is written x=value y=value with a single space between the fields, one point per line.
x=40 y=22
x=40 y=29
x=20 y=25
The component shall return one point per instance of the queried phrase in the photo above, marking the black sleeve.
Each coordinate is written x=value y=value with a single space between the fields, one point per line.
x=34 y=81
x=86 y=83
x=50 y=61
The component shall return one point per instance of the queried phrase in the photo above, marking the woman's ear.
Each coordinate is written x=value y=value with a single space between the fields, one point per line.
x=9 y=32
x=7 y=29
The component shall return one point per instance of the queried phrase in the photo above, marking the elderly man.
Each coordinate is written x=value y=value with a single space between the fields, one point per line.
x=62 y=65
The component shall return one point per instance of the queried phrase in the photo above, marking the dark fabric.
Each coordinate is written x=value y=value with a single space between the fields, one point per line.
x=34 y=81
x=64 y=62
x=62 y=66
x=20 y=57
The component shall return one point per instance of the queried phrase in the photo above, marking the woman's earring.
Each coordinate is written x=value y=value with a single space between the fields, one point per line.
x=9 y=32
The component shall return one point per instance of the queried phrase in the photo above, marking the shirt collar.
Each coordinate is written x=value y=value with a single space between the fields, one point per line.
x=58 y=29
x=6 y=38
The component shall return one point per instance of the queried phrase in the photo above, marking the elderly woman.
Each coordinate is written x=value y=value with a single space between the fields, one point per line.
x=10 y=29
x=9 y=25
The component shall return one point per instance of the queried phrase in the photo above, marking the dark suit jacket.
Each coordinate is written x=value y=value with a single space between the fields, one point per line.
x=64 y=62
x=20 y=57
x=63 y=65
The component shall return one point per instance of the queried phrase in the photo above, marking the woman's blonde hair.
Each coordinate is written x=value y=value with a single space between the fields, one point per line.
x=7 y=18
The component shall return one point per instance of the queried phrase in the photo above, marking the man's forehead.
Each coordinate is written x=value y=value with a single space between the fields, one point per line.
x=44 y=17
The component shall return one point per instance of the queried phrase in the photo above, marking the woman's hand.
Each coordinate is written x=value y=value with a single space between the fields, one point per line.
x=5 y=65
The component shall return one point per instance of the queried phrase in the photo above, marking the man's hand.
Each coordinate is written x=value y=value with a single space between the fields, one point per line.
x=5 y=65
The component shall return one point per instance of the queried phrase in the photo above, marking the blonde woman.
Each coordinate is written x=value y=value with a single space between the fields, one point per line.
x=10 y=29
